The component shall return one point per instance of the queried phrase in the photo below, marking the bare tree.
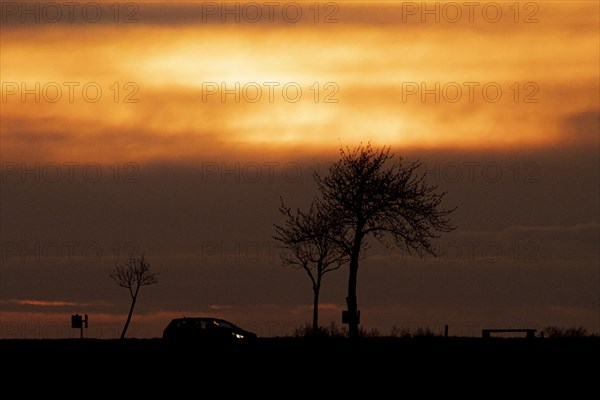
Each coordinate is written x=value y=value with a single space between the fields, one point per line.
x=307 y=240
x=373 y=194
x=132 y=275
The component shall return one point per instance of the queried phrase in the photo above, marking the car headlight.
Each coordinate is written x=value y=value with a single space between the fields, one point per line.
x=238 y=336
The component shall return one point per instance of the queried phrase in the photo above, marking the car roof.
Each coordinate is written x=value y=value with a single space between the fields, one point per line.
x=200 y=319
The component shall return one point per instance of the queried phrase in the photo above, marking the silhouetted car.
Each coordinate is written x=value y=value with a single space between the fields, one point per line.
x=205 y=329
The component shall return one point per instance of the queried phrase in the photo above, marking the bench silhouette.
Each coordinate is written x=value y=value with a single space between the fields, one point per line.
x=530 y=333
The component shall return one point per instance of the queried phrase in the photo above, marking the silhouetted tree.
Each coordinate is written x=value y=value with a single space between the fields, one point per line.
x=132 y=275
x=370 y=193
x=307 y=240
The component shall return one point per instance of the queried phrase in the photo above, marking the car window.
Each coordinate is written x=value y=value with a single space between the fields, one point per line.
x=210 y=324
x=225 y=325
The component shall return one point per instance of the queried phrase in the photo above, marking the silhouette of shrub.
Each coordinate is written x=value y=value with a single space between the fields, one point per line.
x=408 y=333
x=556 y=332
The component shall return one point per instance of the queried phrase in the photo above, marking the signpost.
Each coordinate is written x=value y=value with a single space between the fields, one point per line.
x=78 y=322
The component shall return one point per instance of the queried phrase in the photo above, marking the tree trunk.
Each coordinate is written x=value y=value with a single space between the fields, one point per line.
x=351 y=300
x=133 y=300
x=315 y=324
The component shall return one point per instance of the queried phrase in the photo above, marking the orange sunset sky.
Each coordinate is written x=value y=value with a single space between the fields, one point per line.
x=170 y=88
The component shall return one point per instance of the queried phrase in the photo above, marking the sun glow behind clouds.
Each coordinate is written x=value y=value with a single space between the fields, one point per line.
x=352 y=78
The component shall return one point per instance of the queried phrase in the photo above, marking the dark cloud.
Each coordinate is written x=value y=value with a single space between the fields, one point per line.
x=553 y=243
x=496 y=18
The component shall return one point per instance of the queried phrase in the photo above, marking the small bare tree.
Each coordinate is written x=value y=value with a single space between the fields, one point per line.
x=132 y=275
x=308 y=242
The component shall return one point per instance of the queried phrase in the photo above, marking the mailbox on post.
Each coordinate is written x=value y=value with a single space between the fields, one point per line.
x=78 y=322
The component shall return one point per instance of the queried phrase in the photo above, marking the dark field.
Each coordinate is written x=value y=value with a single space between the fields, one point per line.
x=504 y=361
